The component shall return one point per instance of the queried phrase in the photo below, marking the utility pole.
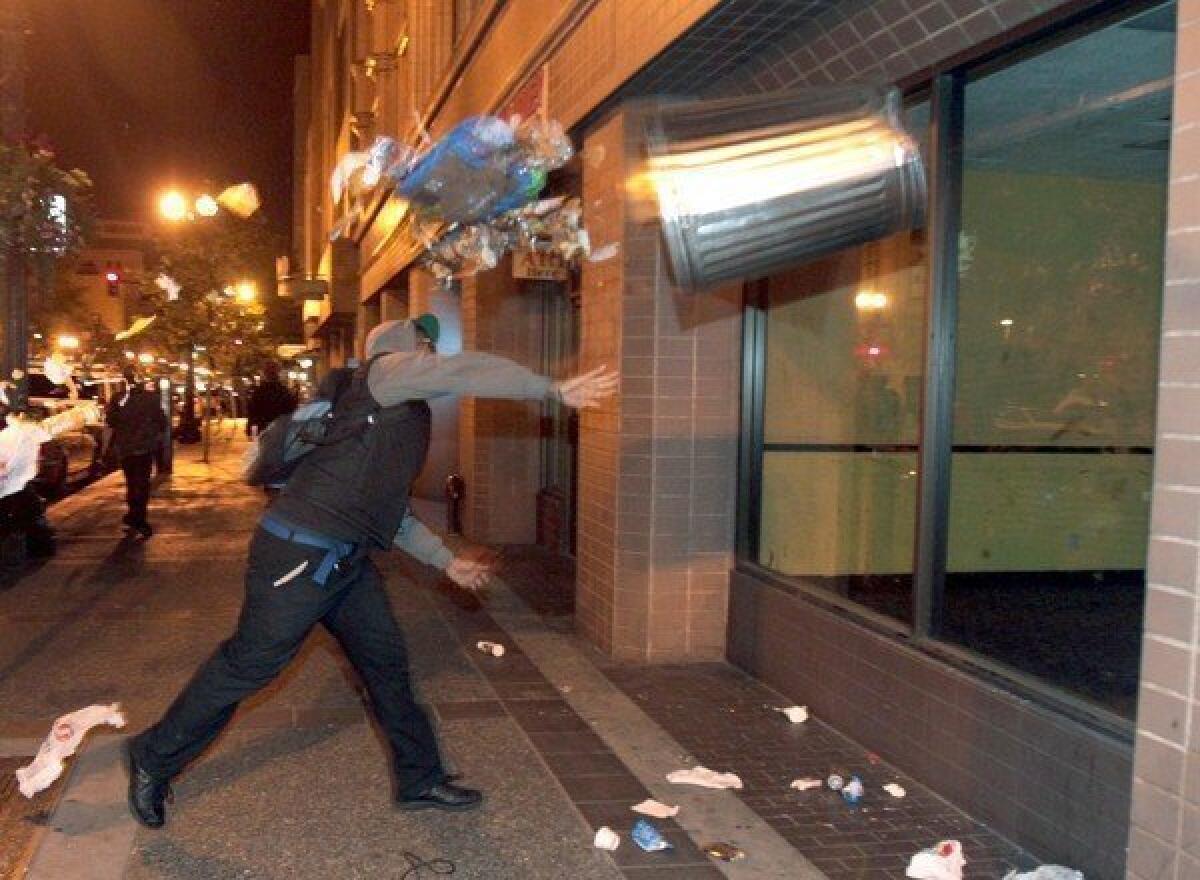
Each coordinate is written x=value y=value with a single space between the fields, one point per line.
x=13 y=30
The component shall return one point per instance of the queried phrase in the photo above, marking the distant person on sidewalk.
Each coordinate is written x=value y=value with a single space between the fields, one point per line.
x=268 y=401
x=309 y=563
x=137 y=421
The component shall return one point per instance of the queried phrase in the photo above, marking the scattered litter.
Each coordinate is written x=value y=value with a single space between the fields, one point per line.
x=895 y=790
x=658 y=810
x=852 y=791
x=606 y=252
x=1046 y=872
x=493 y=648
x=62 y=741
x=704 y=777
x=941 y=862
x=726 y=852
x=806 y=783
x=835 y=782
x=795 y=714
x=606 y=838
x=646 y=836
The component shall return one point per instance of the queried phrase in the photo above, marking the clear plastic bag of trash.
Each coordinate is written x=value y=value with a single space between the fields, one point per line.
x=943 y=861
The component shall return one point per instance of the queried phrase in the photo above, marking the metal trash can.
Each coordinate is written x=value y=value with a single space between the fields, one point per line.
x=749 y=186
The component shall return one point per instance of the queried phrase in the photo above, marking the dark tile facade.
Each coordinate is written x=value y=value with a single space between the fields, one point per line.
x=1051 y=785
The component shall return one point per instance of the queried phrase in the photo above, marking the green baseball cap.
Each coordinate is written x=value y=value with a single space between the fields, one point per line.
x=429 y=326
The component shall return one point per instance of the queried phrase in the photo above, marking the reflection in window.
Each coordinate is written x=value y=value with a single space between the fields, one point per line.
x=843 y=383
x=1060 y=284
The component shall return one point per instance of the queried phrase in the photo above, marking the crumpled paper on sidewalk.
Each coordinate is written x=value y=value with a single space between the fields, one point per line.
x=657 y=809
x=807 y=783
x=704 y=777
x=62 y=741
x=942 y=862
x=1046 y=872
x=606 y=839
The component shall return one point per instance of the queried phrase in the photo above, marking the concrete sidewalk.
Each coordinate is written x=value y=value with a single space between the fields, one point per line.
x=298 y=787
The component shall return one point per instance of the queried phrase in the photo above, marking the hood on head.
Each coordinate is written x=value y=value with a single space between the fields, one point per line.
x=390 y=337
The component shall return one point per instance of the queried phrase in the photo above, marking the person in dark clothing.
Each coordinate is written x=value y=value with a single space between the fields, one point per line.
x=269 y=400
x=137 y=422
x=309 y=564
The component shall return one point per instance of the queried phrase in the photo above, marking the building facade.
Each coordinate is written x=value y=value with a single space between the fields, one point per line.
x=108 y=277
x=942 y=487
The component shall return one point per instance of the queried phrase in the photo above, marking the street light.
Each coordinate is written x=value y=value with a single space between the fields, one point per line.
x=68 y=342
x=173 y=206
x=145 y=358
x=206 y=206
x=246 y=291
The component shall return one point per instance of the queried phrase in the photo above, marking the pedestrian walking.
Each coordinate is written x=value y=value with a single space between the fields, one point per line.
x=137 y=422
x=269 y=400
x=309 y=564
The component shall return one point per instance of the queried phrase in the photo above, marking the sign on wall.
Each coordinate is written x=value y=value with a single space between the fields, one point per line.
x=534 y=265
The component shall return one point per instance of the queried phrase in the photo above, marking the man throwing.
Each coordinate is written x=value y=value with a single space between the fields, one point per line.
x=308 y=563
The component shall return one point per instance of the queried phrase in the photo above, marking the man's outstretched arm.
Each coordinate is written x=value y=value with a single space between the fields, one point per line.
x=396 y=378
x=415 y=539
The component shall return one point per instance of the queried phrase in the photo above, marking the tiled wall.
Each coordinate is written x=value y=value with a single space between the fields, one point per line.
x=1052 y=786
x=499 y=444
x=657 y=470
x=1164 y=840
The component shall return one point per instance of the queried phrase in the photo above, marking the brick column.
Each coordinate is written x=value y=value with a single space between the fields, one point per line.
x=1165 y=825
x=657 y=470
x=499 y=440
x=426 y=295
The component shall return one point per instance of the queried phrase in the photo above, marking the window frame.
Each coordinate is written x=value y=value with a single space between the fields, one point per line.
x=944 y=85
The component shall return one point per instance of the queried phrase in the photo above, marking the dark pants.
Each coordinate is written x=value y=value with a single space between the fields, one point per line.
x=137 y=486
x=276 y=616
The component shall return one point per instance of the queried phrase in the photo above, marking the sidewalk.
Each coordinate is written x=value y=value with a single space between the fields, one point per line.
x=298 y=787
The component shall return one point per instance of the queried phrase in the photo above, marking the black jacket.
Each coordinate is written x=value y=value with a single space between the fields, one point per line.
x=268 y=401
x=137 y=421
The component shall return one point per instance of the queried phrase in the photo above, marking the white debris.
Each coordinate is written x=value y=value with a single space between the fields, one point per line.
x=806 y=783
x=1046 y=872
x=704 y=777
x=493 y=648
x=607 y=839
x=62 y=741
x=658 y=810
x=605 y=252
x=942 y=862
x=895 y=790
x=795 y=714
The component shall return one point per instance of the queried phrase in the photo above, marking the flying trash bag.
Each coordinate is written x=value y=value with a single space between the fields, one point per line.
x=744 y=187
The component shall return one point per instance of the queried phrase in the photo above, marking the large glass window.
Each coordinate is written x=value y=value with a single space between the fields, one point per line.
x=1062 y=207
x=1059 y=290
x=842 y=396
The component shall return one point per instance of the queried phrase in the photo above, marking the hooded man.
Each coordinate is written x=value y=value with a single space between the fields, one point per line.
x=308 y=563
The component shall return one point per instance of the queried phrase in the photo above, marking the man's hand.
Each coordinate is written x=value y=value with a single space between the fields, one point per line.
x=470 y=574
x=588 y=389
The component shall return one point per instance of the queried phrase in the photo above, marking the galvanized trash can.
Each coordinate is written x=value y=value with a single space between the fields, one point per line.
x=749 y=186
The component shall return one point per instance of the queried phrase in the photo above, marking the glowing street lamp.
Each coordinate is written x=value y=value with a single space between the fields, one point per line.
x=246 y=291
x=145 y=358
x=67 y=342
x=206 y=206
x=173 y=206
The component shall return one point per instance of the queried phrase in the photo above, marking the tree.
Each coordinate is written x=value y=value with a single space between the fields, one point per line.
x=44 y=214
x=207 y=280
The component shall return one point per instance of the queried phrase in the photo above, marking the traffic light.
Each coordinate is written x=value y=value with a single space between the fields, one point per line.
x=114 y=282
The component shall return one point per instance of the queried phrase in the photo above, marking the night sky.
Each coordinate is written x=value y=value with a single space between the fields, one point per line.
x=143 y=94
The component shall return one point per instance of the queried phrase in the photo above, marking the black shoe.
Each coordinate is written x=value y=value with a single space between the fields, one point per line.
x=146 y=793
x=443 y=796
x=142 y=530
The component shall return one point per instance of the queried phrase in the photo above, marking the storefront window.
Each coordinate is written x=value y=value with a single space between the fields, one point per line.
x=839 y=459
x=1060 y=235
x=1060 y=283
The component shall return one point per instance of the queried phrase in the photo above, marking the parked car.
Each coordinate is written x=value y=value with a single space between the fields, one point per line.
x=71 y=455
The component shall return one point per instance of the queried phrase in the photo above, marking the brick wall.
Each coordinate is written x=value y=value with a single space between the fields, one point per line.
x=499 y=440
x=657 y=469
x=1164 y=840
